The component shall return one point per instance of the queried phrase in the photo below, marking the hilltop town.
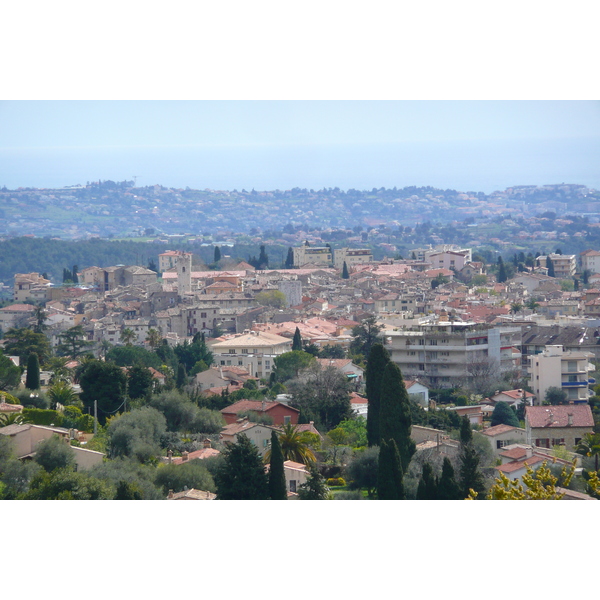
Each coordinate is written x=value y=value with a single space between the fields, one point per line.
x=247 y=352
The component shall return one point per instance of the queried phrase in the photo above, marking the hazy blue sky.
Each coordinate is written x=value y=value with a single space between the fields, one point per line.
x=475 y=145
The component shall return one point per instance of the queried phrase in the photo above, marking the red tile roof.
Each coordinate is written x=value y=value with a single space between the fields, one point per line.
x=255 y=405
x=511 y=467
x=558 y=416
x=498 y=429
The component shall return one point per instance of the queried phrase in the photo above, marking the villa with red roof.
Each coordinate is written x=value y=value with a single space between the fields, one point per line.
x=281 y=413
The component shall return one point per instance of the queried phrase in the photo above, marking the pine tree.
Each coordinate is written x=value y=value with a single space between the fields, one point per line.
x=345 y=274
x=427 y=489
x=277 y=485
x=389 y=472
x=395 y=414
x=242 y=475
x=378 y=359
x=504 y=415
x=447 y=488
x=297 y=341
x=315 y=487
x=32 y=381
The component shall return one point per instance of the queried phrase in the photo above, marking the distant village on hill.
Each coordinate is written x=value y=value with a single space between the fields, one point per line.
x=391 y=344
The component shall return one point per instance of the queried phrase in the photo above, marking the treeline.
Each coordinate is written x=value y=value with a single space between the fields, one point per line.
x=50 y=256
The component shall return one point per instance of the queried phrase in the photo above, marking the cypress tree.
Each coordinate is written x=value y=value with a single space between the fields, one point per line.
x=378 y=359
x=74 y=274
x=427 y=489
x=395 y=415
x=389 y=472
x=448 y=489
x=181 y=376
x=502 y=276
x=550 y=266
x=277 y=485
x=263 y=259
x=217 y=254
x=297 y=341
x=470 y=475
x=289 y=261
x=345 y=274
x=32 y=381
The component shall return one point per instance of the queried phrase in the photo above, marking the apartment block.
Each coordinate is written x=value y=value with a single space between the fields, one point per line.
x=308 y=255
x=447 y=353
x=567 y=370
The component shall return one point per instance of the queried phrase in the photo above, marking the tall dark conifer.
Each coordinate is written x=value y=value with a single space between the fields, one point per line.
x=448 y=489
x=428 y=485
x=297 y=341
x=395 y=415
x=389 y=472
x=32 y=381
x=277 y=485
x=345 y=274
x=470 y=474
x=378 y=359
x=289 y=261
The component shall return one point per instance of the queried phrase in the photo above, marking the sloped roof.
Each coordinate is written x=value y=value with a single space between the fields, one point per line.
x=558 y=416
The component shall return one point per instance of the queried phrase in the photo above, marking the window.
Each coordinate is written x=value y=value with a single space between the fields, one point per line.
x=287 y=420
x=203 y=315
x=542 y=442
x=433 y=342
x=228 y=363
x=223 y=362
x=421 y=367
x=571 y=366
x=558 y=441
x=577 y=440
x=244 y=350
x=240 y=363
x=292 y=485
x=231 y=350
x=266 y=443
x=501 y=443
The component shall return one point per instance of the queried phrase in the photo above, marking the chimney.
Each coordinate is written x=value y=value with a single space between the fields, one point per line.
x=170 y=496
x=207 y=443
x=170 y=456
x=263 y=406
x=529 y=452
x=570 y=419
x=184 y=456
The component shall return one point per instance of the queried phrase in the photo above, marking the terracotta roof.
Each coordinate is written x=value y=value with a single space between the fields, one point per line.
x=196 y=455
x=255 y=405
x=511 y=467
x=192 y=495
x=558 y=416
x=7 y=408
x=498 y=429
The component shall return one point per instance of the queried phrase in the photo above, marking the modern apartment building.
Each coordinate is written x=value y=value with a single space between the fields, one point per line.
x=590 y=261
x=567 y=370
x=565 y=265
x=448 y=353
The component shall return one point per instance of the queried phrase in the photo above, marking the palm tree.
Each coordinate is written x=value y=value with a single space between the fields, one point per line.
x=590 y=446
x=516 y=307
x=60 y=371
x=12 y=419
x=127 y=336
x=153 y=338
x=62 y=393
x=294 y=446
x=532 y=304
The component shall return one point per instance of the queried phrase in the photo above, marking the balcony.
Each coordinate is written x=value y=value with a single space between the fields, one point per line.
x=574 y=384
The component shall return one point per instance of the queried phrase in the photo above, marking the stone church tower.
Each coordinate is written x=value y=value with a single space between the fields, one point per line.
x=183 y=263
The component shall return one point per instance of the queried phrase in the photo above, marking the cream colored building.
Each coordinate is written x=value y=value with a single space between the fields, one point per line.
x=255 y=351
x=307 y=255
x=590 y=261
x=351 y=256
x=29 y=286
x=566 y=370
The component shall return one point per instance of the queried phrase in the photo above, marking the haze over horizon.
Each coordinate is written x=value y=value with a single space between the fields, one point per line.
x=267 y=145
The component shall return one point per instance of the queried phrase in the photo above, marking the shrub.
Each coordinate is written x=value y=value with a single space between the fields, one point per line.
x=336 y=482
x=40 y=416
x=8 y=398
